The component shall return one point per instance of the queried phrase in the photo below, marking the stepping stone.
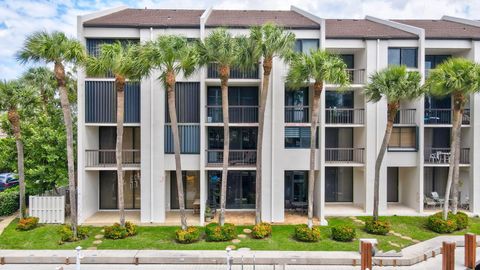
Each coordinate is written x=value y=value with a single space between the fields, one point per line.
x=97 y=242
x=92 y=248
x=391 y=232
x=406 y=238
x=394 y=244
x=247 y=231
x=352 y=217
x=232 y=247
x=244 y=249
x=102 y=231
x=242 y=236
x=416 y=241
x=99 y=236
x=397 y=234
x=236 y=241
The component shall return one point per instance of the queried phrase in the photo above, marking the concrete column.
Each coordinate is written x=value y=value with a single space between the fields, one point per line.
x=475 y=143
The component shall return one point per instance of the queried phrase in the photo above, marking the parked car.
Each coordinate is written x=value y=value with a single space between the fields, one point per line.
x=8 y=180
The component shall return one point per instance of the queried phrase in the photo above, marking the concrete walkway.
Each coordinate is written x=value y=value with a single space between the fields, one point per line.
x=6 y=221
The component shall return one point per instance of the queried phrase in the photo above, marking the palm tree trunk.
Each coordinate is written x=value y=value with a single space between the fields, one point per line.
x=67 y=118
x=267 y=69
x=14 y=120
x=120 y=88
x=317 y=93
x=391 y=113
x=176 y=146
x=458 y=107
x=224 y=72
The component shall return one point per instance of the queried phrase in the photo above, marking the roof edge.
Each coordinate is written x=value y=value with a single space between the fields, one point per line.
x=101 y=13
x=400 y=26
x=307 y=14
x=461 y=20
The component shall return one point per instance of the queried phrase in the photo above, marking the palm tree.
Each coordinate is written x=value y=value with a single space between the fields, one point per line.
x=57 y=48
x=43 y=79
x=13 y=96
x=222 y=48
x=395 y=84
x=171 y=55
x=319 y=66
x=266 y=42
x=119 y=59
x=459 y=78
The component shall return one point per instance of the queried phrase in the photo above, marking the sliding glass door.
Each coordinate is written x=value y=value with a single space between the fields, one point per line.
x=240 y=189
x=339 y=184
x=109 y=190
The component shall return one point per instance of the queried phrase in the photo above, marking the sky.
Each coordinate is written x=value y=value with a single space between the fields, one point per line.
x=19 y=18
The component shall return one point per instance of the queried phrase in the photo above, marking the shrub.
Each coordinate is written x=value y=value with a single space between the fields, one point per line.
x=343 y=233
x=377 y=227
x=216 y=233
x=437 y=224
x=116 y=231
x=66 y=233
x=27 y=224
x=305 y=234
x=190 y=235
x=262 y=230
x=462 y=220
x=131 y=228
x=8 y=202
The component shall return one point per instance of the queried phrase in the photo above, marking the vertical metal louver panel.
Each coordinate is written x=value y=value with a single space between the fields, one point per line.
x=101 y=102
x=189 y=139
x=93 y=48
x=187 y=102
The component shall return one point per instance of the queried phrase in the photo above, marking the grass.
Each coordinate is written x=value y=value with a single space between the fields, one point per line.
x=162 y=237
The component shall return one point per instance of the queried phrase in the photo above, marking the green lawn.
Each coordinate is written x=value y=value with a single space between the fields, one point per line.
x=162 y=237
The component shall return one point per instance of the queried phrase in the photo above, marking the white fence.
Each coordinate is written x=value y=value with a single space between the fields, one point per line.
x=49 y=209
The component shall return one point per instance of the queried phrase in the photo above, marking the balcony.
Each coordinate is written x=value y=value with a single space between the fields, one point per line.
x=235 y=73
x=106 y=158
x=349 y=155
x=442 y=155
x=297 y=114
x=444 y=117
x=356 y=76
x=405 y=117
x=236 y=113
x=236 y=158
x=344 y=116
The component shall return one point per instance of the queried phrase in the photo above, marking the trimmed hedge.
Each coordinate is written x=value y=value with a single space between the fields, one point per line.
x=131 y=228
x=261 y=230
x=344 y=233
x=453 y=223
x=190 y=235
x=216 y=233
x=27 y=224
x=377 y=227
x=116 y=231
x=305 y=234
x=66 y=233
x=9 y=202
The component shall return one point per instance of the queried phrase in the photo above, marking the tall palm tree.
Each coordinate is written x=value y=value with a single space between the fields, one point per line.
x=57 y=48
x=119 y=59
x=264 y=44
x=458 y=77
x=171 y=55
x=15 y=96
x=395 y=84
x=222 y=48
x=43 y=79
x=319 y=66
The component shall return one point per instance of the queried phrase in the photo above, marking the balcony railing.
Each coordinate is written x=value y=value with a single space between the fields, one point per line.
x=405 y=117
x=236 y=113
x=236 y=157
x=442 y=155
x=297 y=114
x=235 y=73
x=352 y=155
x=356 y=76
x=107 y=158
x=344 y=116
x=444 y=116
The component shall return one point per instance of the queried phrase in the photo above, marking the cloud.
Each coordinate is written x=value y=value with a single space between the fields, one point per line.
x=19 y=18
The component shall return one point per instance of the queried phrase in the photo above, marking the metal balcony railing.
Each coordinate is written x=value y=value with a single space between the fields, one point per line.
x=235 y=73
x=405 y=117
x=356 y=76
x=107 y=158
x=236 y=157
x=352 y=155
x=236 y=113
x=344 y=116
x=444 y=116
x=297 y=114
x=442 y=155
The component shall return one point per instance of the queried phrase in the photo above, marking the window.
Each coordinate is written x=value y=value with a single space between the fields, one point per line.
x=335 y=99
x=296 y=189
x=306 y=45
x=296 y=106
x=403 y=56
x=298 y=137
x=403 y=137
x=348 y=59
x=431 y=61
